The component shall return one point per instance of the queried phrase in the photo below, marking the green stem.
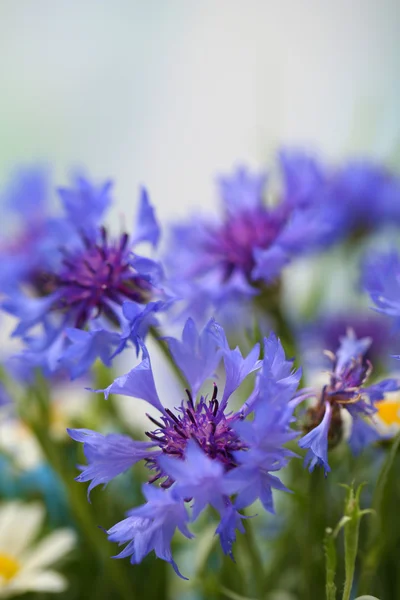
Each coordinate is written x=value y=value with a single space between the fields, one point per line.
x=250 y=543
x=269 y=302
x=352 y=519
x=314 y=523
x=351 y=534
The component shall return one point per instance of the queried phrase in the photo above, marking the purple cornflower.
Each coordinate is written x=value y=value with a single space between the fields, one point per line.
x=345 y=391
x=201 y=453
x=77 y=305
x=213 y=263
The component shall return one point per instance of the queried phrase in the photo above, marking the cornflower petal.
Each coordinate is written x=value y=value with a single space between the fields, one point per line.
x=231 y=520
x=269 y=263
x=151 y=527
x=197 y=355
x=252 y=481
x=362 y=434
x=317 y=443
x=85 y=203
x=237 y=368
x=139 y=320
x=351 y=347
x=242 y=189
x=147 y=228
x=86 y=347
x=138 y=383
x=197 y=476
x=107 y=455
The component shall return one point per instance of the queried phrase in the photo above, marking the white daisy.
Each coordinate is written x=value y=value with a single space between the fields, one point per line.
x=24 y=563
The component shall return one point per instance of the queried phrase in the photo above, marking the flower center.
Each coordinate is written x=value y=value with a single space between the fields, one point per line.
x=9 y=566
x=236 y=240
x=93 y=278
x=202 y=422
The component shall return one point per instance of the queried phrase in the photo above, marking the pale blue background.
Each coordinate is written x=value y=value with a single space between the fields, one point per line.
x=168 y=92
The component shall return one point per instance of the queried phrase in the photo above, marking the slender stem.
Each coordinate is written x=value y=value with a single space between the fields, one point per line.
x=250 y=543
x=351 y=546
x=314 y=523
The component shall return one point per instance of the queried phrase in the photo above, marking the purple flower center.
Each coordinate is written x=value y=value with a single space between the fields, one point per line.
x=203 y=423
x=234 y=242
x=94 y=277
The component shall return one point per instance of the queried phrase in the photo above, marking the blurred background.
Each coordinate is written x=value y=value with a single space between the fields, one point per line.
x=168 y=93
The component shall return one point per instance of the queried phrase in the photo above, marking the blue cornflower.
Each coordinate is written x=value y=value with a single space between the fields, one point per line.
x=359 y=196
x=32 y=235
x=345 y=391
x=367 y=194
x=202 y=453
x=75 y=310
x=381 y=279
x=213 y=263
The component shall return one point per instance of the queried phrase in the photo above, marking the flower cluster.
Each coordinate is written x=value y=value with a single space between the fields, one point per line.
x=345 y=391
x=201 y=453
x=96 y=294
x=80 y=294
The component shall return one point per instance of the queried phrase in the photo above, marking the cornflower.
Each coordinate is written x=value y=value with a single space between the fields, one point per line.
x=345 y=392
x=97 y=295
x=201 y=453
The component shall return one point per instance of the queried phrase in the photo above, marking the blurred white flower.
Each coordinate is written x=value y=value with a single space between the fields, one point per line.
x=24 y=564
x=387 y=419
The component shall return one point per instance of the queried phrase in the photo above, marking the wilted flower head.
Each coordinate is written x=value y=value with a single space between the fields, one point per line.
x=214 y=262
x=345 y=391
x=201 y=453
x=78 y=302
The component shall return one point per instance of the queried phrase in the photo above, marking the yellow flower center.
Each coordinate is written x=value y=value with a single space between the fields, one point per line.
x=389 y=412
x=9 y=566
